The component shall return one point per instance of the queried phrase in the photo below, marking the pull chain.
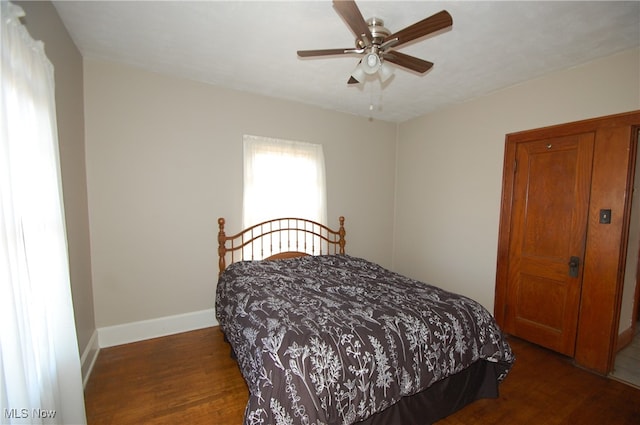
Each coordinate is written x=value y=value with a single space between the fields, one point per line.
x=372 y=105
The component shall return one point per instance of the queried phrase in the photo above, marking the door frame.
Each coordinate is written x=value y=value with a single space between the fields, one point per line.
x=605 y=254
x=626 y=336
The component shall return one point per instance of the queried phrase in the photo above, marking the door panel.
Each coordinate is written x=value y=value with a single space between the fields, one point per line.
x=549 y=222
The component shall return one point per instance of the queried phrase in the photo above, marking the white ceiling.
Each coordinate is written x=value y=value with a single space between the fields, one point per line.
x=251 y=46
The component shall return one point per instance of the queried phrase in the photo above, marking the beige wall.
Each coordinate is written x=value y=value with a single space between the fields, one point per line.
x=164 y=161
x=43 y=23
x=449 y=168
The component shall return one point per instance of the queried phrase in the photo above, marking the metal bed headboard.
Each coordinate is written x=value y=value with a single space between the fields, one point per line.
x=279 y=238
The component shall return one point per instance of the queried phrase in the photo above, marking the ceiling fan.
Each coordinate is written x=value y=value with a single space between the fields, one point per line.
x=377 y=44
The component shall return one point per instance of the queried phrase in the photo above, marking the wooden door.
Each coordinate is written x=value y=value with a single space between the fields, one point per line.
x=608 y=169
x=550 y=207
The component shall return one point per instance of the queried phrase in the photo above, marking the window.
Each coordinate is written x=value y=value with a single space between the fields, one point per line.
x=283 y=178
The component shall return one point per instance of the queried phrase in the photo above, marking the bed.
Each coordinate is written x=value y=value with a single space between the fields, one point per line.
x=322 y=337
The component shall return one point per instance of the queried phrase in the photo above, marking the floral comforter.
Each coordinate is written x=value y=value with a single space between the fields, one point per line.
x=334 y=339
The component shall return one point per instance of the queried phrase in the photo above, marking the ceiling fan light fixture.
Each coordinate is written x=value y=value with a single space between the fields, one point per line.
x=359 y=74
x=370 y=63
x=385 y=71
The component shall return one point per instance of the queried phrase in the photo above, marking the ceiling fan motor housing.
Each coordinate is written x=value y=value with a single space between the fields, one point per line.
x=378 y=33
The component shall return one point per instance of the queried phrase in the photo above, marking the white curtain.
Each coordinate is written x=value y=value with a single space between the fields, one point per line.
x=39 y=363
x=283 y=178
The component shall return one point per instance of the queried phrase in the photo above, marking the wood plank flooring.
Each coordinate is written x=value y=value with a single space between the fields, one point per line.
x=189 y=378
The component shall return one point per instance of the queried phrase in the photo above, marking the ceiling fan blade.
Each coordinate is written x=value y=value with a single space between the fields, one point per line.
x=326 y=52
x=428 y=25
x=409 y=62
x=350 y=12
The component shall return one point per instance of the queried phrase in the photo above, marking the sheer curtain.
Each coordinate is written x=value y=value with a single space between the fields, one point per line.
x=283 y=178
x=40 y=373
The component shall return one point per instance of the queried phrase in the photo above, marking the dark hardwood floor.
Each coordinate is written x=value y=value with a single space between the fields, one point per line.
x=189 y=378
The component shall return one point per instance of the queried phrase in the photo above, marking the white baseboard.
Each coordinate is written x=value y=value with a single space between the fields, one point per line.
x=89 y=356
x=154 y=328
